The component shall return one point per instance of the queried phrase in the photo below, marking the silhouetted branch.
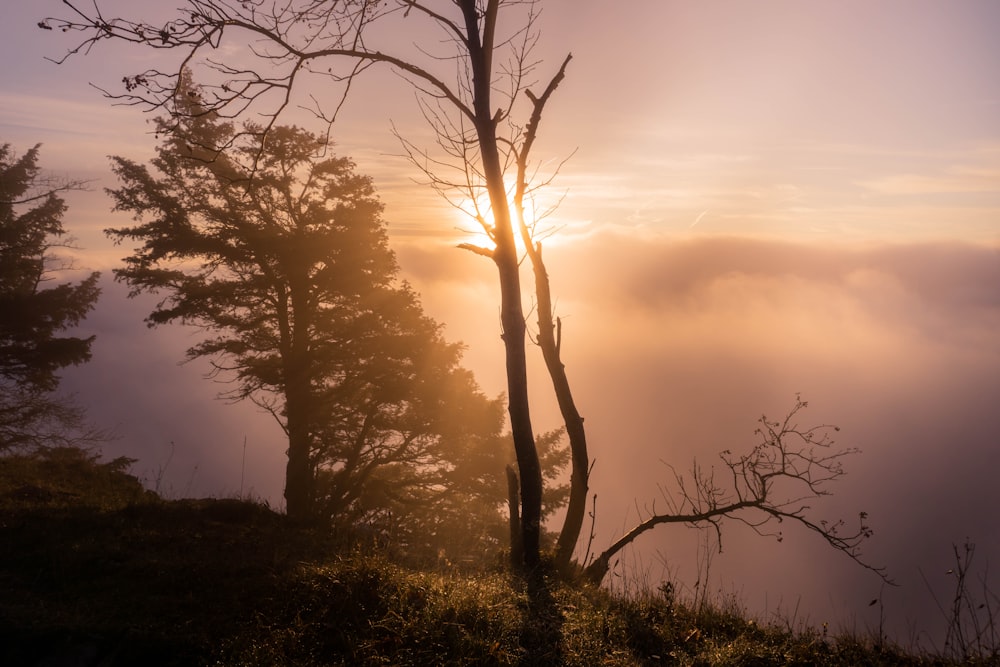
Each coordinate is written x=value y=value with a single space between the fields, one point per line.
x=479 y=250
x=775 y=481
x=289 y=39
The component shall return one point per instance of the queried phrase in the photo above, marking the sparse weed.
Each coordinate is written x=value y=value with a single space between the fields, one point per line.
x=972 y=616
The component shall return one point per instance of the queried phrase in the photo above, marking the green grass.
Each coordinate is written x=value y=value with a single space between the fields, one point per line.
x=95 y=570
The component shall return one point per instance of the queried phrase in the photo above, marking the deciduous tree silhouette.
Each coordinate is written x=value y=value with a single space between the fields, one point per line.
x=475 y=76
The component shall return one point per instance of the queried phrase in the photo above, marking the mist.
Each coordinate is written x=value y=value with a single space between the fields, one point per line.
x=166 y=414
x=675 y=347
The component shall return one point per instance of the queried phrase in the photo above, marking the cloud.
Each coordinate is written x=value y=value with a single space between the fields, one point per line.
x=675 y=346
x=955 y=180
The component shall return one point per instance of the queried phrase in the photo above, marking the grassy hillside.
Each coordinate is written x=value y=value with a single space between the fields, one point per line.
x=94 y=570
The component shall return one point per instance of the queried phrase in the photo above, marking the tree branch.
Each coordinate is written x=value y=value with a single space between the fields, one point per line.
x=799 y=460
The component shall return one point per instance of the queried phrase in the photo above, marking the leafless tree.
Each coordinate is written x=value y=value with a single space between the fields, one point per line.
x=477 y=88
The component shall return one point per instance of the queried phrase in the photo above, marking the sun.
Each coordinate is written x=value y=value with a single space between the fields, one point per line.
x=475 y=222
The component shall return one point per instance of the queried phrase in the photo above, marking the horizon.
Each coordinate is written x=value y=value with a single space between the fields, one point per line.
x=772 y=200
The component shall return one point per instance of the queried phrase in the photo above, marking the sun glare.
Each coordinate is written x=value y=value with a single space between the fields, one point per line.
x=475 y=217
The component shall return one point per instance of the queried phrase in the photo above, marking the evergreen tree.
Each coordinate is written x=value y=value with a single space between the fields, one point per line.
x=35 y=315
x=32 y=316
x=281 y=257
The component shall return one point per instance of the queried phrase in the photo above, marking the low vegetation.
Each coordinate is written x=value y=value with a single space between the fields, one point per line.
x=96 y=570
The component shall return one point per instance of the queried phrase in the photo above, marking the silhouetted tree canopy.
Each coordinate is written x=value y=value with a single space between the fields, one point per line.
x=36 y=309
x=33 y=314
x=277 y=250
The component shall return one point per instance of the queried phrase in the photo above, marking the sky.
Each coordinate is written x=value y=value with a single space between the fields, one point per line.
x=761 y=200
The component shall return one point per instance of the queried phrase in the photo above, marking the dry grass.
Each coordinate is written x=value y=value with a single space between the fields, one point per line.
x=95 y=570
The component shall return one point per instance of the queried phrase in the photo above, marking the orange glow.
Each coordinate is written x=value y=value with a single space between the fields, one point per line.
x=762 y=199
x=476 y=222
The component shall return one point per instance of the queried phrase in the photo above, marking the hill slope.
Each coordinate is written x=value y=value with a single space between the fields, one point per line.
x=96 y=571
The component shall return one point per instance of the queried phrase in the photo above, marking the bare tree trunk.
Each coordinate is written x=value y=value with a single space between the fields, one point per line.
x=550 y=337
x=505 y=256
x=512 y=321
x=550 y=340
x=529 y=468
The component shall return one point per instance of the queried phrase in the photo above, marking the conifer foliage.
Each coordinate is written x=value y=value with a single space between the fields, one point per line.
x=277 y=250
x=36 y=310
x=34 y=315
